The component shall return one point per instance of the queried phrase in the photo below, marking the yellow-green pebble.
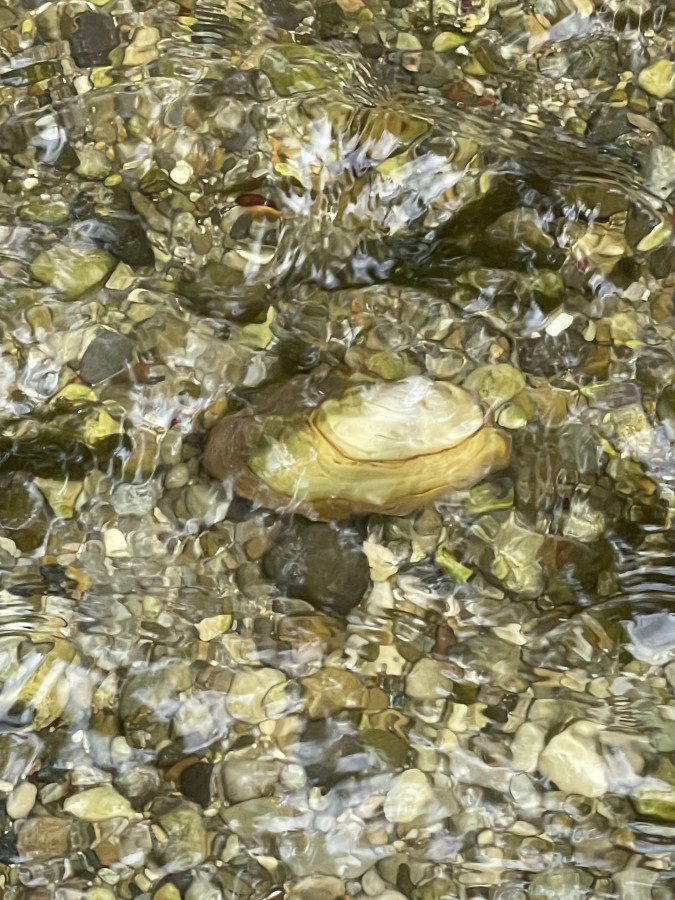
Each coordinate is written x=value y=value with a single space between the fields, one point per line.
x=658 y=78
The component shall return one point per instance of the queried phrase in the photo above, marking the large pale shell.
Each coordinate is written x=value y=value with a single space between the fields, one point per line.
x=387 y=447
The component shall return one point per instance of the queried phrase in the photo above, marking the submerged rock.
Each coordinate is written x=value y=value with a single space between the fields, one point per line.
x=384 y=447
x=98 y=803
x=107 y=355
x=658 y=78
x=72 y=270
x=316 y=562
x=572 y=761
x=24 y=514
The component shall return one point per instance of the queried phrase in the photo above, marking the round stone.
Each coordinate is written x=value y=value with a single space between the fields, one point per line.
x=573 y=764
x=409 y=797
x=246 y=699
x=319 y=563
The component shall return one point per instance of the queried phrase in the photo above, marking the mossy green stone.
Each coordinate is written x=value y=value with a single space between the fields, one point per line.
x=48 y=212
x=656 y=799
x=72 y=269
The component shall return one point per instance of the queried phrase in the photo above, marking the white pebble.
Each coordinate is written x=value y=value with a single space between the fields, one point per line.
x=181 y=172
x=21 y=800
x=115 y=543
x=559 y=323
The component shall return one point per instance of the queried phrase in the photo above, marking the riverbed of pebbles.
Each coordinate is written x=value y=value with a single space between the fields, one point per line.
x=336 y=450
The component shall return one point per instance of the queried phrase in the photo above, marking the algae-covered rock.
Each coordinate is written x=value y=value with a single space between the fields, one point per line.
x=298 y=67
x=73 y=269
x=655 y=798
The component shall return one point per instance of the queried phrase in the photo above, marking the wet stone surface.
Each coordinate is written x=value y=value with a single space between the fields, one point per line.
x=337 y=469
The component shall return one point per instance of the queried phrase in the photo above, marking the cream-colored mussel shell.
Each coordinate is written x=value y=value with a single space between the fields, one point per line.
x=386 y=447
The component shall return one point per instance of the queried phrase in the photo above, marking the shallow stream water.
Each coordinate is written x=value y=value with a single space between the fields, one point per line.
x=337 y=450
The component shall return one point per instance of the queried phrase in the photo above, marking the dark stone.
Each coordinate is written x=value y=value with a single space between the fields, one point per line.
x=95 y=36
x=108 y=219
x=24 y=513
x=330 y=20
x=241 y=509
x=130 y=243
x=55 y=579
x=285 y=13
x=608 y=124
x=330 y=750
x=549 y=355
x=662 y=261
x=665 y=408
x=58 y=454
x=195 y=783
x=14 y=136
x=107 y=355
x=8 y=850
x=579 y=447
x=316 y=562
x=67 y=160
x=235 y=83
x=241 y=227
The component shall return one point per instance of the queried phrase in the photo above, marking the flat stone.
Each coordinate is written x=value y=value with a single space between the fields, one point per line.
x=318 y=887
x=43 y=838
x=427 y=680
x=495 y=384
x=49 y=212
x=332 y=689
x=344 y=851
x=93 y=164
x=187 y=843
x=655 y=798
x=264 y=816
x=133 y=499
x=99 y=803
x=247 y=779
x=105 y=356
